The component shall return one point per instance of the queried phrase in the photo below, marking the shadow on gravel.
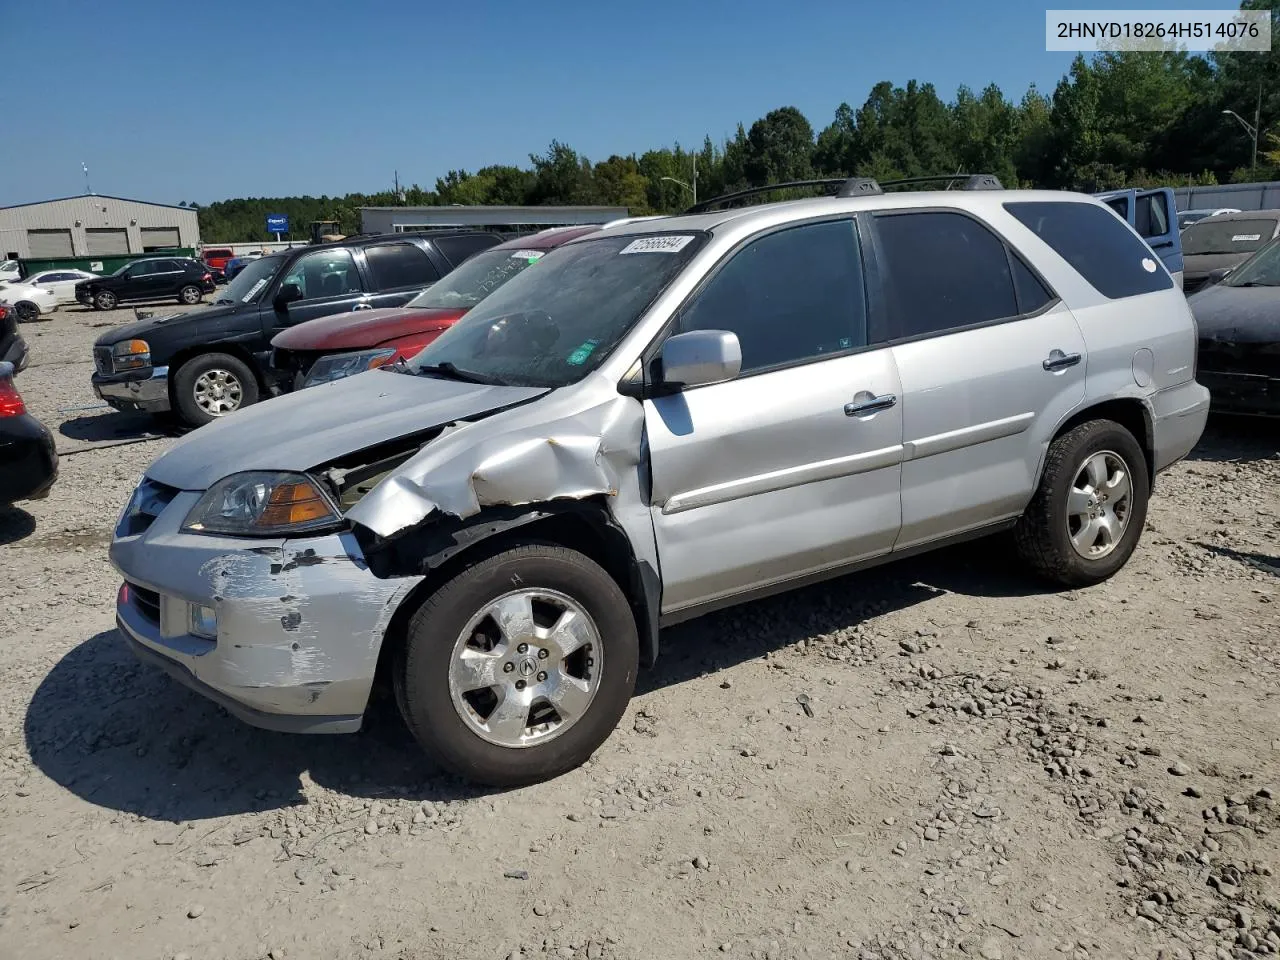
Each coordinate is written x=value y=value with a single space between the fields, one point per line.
x=982 y=568
x=1258 y=561
x=94 y=428
x=1239 y=438
x=123 y=735
x=15 y=524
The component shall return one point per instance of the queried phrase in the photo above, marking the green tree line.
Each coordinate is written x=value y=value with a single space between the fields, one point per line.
x=1115 y=119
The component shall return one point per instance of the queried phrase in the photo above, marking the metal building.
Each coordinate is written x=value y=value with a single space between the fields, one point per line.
x=502 y=219
x=94 y=225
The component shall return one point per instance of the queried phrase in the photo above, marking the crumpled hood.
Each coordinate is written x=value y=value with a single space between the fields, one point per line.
x=138 y=329
x=364 y=328
x=1237 y=314
x=302 y=430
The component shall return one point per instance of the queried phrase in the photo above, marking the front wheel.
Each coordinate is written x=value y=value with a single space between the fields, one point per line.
x=26 y=312
x=520 y=667
x=106 y=300
x=1085 y=519
x=190 y=295
x=213 y=385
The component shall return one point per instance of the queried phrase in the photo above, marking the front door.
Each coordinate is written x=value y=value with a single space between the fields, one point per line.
x=793 y=467
x=329 y=283
x=990 y=360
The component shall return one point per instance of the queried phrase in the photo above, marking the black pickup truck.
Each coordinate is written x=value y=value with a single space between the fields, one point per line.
x=207 y=363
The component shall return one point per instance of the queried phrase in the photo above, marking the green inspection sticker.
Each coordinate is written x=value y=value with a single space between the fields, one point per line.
x=579 y=356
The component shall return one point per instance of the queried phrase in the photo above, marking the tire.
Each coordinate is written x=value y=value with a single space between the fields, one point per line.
x=26 y=311
x=213 y=381
x=105 y=300
x=1056 y=535
x=448 y=722
x=190 y=295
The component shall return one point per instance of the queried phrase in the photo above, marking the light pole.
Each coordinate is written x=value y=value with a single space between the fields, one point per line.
x=1252 y=130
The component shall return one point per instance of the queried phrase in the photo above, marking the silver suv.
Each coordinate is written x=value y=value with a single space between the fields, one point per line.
x=657 y=420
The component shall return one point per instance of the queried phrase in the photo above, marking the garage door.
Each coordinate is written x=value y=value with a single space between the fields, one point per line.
x=46 y=244
x=159 y=238
x=106 y=242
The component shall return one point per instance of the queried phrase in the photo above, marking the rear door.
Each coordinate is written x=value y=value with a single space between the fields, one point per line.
x=990 y=362
x=330 y=282
x=396 y=272
x=1153 y=214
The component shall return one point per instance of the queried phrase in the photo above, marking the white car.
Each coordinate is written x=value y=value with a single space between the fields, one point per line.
x=28 y=303
x=8 y=270
x=61 y=283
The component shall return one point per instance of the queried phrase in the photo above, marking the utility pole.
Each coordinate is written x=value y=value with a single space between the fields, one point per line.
x=1257 y=127
x=87 y=189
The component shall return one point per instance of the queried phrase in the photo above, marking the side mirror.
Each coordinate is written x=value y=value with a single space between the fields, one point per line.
x=700 y=357
x=288 y=294
x=1216 y=276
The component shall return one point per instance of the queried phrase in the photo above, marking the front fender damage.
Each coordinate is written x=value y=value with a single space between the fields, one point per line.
x=583 y=445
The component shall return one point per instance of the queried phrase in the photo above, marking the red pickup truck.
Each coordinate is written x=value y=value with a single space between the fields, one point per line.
x=343 y=344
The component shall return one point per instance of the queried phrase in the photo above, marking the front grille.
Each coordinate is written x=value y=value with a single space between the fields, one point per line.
x=146 y=602
x=102 y=361
x=147 y=503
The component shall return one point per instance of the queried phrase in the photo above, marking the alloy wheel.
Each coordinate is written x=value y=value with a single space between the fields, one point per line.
x=1098 y=504
x=218 y=392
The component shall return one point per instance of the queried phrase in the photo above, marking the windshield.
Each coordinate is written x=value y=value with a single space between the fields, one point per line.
x=556 y=322
x=250 y=281
x=1260 y=270
x=1213 y=235
x=475 y=279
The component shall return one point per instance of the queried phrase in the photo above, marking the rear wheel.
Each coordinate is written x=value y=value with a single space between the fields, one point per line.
x=1085 y=519
x=213 y=385
x=190 y=294
x=105 y=300
x=26 y=311
x=520 y=667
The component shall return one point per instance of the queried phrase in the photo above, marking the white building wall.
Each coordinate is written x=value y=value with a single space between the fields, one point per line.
x=78 y=213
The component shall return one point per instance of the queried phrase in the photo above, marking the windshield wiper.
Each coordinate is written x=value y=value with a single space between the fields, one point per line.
x=224 y=300
x=448 y=369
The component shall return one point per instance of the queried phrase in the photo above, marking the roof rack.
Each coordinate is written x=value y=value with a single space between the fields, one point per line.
x=854 y=187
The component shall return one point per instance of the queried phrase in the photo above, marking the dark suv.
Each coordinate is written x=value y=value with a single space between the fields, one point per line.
x=152 y=279
x=207 y=363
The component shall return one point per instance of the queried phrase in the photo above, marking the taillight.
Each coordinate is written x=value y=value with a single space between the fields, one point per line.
x=11 y=404
x=207 y=277
x=4 y=311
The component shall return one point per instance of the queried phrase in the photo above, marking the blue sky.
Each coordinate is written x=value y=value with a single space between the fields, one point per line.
x=174 y=101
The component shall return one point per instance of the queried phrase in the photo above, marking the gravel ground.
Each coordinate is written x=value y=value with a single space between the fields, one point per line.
x=989 y=770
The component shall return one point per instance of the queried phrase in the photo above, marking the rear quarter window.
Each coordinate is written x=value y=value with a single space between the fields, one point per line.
x=1097 y=244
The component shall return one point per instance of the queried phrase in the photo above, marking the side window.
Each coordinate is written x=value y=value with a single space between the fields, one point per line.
x=398 y=265
x=1032 y=294
x=1103 y=251
x=792 y=295
x=143 y=268
x=1121 y=206
x=326 y=273
x=1152 y=215
x=457 y=249
x=942 y=271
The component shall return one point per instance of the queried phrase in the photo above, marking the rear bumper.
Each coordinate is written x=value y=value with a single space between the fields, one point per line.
x=150 y=395
x=28 y=460
x=1180 y=414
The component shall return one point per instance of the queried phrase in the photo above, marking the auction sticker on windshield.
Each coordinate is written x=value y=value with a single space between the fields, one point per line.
x=530 y=255
x=253 y=290
x=1239 y=237
x=669 y=244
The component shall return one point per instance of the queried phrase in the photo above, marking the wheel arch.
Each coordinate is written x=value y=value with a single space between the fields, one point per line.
x=1132 y=413
x=441 y=549
x=188 y=353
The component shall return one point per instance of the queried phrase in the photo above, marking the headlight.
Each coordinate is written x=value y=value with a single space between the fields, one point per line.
x=262 y=503
x=130 y=355
x=335 y=366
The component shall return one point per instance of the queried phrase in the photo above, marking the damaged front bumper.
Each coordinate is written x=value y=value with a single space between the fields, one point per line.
x=299 y=622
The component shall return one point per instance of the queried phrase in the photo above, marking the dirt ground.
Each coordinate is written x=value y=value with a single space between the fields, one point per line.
x=990 y=770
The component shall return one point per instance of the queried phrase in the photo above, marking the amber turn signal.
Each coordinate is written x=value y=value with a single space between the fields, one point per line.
x=293 y=503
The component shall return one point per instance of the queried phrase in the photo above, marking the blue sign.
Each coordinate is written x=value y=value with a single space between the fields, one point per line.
x=277 y=223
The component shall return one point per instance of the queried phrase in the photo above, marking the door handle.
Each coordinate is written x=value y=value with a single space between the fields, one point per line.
x=1058 y=360
x=871 y=404
x=361 y=306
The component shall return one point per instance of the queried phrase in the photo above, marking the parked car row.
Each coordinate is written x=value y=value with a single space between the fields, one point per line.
x=573 y=440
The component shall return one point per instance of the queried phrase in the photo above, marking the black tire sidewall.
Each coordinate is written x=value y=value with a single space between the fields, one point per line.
x=115 y=301
x=183 y=300
x=184 y=400
x=1106 y=435
x=26 y=312
x=423 y=668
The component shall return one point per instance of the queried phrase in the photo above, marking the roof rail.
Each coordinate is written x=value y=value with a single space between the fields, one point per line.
x=847 y=187
x=972 y=181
